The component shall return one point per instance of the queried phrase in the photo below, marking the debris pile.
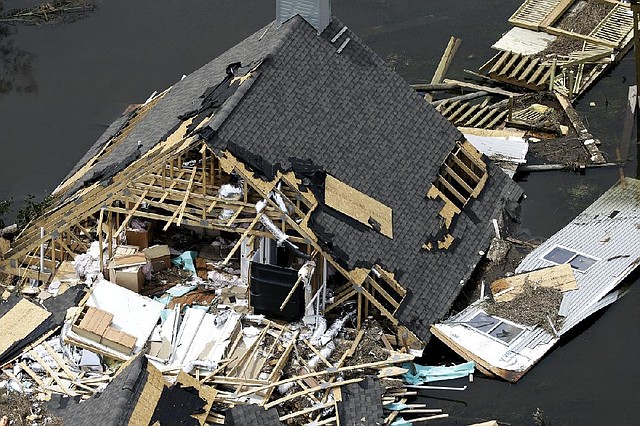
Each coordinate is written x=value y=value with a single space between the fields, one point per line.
x=535 y=306
x=194 y=337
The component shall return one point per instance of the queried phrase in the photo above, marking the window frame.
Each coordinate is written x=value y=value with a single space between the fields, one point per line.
x=494 y=327
x=568 y=262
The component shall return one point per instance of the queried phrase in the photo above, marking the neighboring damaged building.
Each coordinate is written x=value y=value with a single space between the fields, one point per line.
x=302 y=136
x=587 y=261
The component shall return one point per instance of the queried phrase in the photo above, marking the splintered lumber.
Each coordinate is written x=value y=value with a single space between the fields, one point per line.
x=395 y=359
x=242 y=237
x=434 y=86
x=427 y=418
x=311 y=390
x=492 y=90
x=311 y=409
x=349 y=352
x=52 y=373
x=291 y=293
x=463 y=388
x=445 y=62
x=466 y=97
x=125 y=222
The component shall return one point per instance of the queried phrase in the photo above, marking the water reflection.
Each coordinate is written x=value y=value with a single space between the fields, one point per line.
x=16 y=71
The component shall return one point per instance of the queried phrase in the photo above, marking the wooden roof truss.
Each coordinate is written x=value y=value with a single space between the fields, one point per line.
x=177 y=183
x=566 y=74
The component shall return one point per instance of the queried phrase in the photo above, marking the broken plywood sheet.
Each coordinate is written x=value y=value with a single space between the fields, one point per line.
x=149 y=397
x=19 y=322
x=524 y=41
x=148 y=402
x=559 y=277
x=507 y=151
x=5 y=246
x=208 y=393
x=359 y=206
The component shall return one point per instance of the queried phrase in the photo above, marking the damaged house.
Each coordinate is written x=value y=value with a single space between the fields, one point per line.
x=306 y=146
x=575 y=273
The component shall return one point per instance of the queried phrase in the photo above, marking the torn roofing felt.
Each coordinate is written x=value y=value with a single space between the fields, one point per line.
x=309 y=108
x=111 y=407
x=176 y=405
x=56 y=306
x=360 y=403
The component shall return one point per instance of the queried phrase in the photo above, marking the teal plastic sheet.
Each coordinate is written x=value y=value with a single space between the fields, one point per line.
x=426 y=373
x=180 y=290
x=164 y=314
x=186 y=261
x=396 y=406
x=164 y=299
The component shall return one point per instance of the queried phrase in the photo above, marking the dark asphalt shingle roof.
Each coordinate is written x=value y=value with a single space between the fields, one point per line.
x=112 y=407
x=251 y=415
x=353 y=117
x=361 y=404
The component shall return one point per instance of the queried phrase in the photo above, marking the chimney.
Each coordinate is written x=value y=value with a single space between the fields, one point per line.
x=315 y=12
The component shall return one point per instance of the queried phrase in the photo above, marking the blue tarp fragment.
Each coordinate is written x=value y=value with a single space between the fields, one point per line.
x=164 y=314
x=180 y=290
x=164 y=299
x=186 y=261
x=426 y=373
x=396 y=406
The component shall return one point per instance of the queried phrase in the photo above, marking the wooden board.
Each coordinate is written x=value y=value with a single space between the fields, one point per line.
x=559 y=277
x=21 y=320
x=149 y=397
x=357 y=205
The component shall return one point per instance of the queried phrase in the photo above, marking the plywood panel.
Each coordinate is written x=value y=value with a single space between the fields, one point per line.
x=342 y=197
x=21 y=320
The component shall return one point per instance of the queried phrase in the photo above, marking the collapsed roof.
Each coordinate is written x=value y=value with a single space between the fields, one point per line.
x=329 y=109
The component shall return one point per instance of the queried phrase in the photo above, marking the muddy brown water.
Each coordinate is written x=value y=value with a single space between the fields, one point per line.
x=68 y=82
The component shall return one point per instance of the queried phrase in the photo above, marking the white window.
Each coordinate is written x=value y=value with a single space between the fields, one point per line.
x=497 y=328
x=578 y=261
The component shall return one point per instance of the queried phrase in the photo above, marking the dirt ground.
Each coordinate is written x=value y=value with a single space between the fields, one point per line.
x=22 y=411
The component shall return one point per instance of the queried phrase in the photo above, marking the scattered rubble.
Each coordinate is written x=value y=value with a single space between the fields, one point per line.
x=49 y=12
x=193 y=268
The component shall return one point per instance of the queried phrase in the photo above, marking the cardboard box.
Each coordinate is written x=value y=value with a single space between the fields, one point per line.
x=126 y=271
x=92 y=323
x=130 y=277
x=118 y=340
x=139 y=238
x=159 y=256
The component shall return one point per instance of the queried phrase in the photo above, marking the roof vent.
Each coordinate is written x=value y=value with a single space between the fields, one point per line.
x=315 y=12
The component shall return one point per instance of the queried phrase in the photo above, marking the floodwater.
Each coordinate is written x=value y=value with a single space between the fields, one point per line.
x=68 y=82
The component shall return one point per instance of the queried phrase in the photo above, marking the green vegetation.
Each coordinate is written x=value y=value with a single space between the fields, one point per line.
x=5 y=205
x=31 y=210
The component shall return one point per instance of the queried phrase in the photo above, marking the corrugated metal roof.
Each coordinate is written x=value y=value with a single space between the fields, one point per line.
x=608 y=230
